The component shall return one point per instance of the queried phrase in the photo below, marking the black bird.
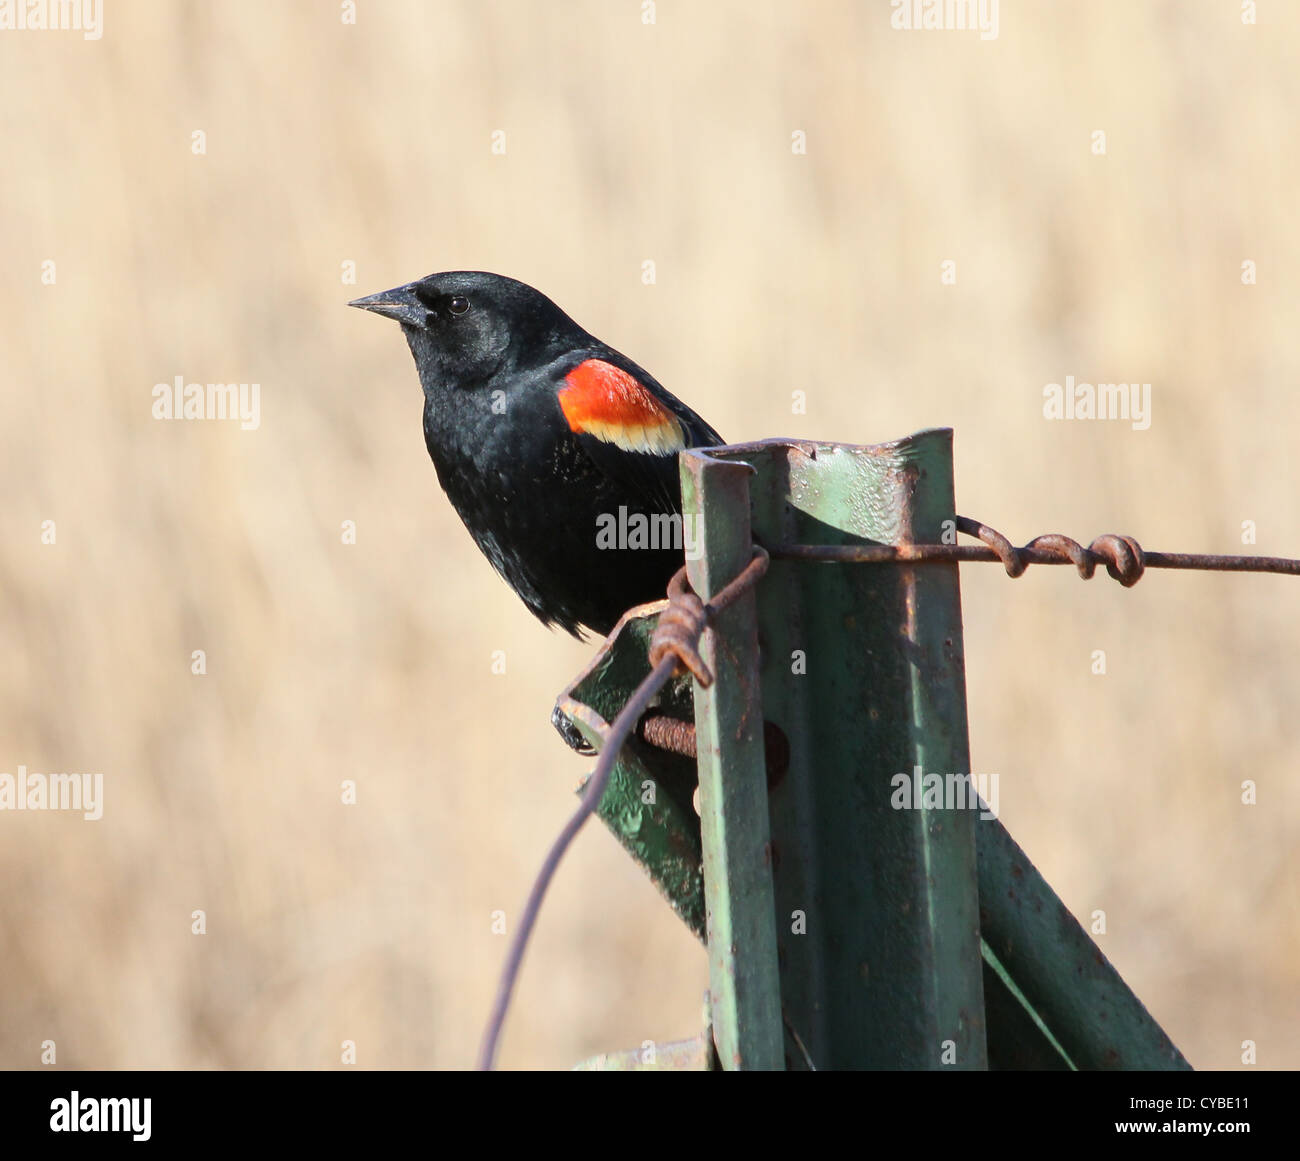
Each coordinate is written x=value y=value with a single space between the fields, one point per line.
x=556 y=451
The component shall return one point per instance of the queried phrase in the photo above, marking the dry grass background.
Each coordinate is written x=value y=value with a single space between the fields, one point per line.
x=370 y=143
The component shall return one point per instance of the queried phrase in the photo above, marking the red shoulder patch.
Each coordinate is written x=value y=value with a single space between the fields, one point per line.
x=604 y=401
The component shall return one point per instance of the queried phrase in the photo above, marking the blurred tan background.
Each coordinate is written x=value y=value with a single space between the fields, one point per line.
x=370 y=143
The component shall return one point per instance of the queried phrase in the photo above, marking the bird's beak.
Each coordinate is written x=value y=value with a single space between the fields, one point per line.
x=399 y=303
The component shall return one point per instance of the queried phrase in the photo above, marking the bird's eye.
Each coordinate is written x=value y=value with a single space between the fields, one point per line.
x=458 y=305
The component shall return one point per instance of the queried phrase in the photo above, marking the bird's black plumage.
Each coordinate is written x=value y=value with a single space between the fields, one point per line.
x=541 y=434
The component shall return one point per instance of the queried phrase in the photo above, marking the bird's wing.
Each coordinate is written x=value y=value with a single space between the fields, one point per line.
x=631 y=428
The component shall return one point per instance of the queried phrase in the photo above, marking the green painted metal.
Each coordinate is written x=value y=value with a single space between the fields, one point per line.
x=1017 y=1036
x=1059 y=970
x=647 y=805
x=744 y=981
x=1050 y=999
x=862 y=669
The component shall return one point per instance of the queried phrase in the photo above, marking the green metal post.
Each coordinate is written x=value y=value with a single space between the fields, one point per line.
x=876 y=905
x=744 y=983
x=870 y=909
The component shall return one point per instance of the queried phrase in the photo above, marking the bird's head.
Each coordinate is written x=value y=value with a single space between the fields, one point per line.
x=465 y=325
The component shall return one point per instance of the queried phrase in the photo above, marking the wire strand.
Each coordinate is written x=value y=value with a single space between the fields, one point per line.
x=673 y=646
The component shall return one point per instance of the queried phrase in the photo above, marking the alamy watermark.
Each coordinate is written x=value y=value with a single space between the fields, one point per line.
x=945 y=16
x=1131 y=401
x=921 y=791
x=87 y=1114
x=181 y=400
x=84 y=16
x=32 y=790
x=653 y=531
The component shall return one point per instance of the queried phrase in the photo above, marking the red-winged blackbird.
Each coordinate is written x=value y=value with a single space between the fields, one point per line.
x=548 y=443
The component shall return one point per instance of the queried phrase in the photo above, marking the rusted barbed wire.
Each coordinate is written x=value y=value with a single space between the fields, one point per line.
x=1124 y=558
x=674 y=646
